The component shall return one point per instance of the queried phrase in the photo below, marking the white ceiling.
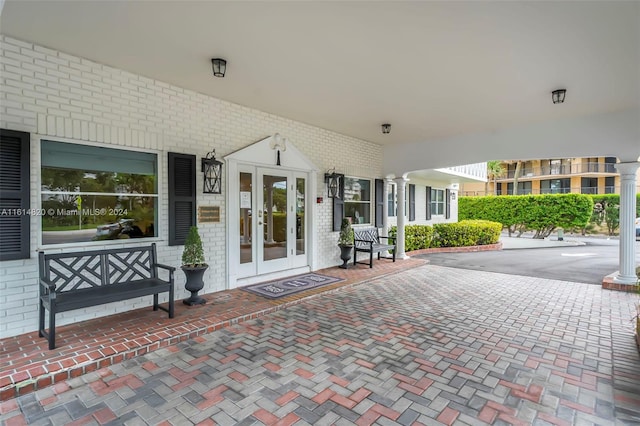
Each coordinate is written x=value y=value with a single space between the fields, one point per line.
x=434 y=70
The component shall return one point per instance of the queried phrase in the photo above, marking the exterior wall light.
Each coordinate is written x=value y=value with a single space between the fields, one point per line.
x=212 y=170
x=278 y=143
x=333 y=183
x=386 y=128
x=219 y=67
x=558 y=96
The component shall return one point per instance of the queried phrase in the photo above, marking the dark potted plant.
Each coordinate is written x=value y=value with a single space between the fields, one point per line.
x=345 y=242
x=194 y=266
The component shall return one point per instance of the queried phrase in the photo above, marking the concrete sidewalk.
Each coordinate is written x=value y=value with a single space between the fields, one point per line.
x=526 y=242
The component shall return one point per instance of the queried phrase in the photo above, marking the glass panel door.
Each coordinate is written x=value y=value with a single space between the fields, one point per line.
x=272 y=226
x=246 y=196
x=274 y=211
x=300 y=222
x=301 y=196
x=273 y=203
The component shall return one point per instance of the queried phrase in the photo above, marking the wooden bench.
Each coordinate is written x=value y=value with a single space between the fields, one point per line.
x=76 y=280
x=367 y=239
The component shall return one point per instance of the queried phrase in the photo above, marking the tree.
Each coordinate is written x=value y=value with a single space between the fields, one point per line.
x=516 y=175
x=495 y=170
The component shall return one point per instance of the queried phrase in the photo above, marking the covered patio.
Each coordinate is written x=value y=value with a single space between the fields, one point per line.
x=389 y=95
x=416 y=344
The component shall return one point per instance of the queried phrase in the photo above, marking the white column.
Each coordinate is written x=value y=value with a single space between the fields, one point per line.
x=627 y=273
x=401 y=183
x=385 y=208
x=385 y=214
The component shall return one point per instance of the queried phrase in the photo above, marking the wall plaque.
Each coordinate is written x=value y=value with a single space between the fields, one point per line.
x=209 y=214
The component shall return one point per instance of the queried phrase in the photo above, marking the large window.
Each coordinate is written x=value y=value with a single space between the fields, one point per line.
x=437 y=202
x=392 y=200
x=93 y=193
x=556 y=166
x=357 y=200
x=555 y=186
x=589 y=185
x=610 y=185
x=524 y=188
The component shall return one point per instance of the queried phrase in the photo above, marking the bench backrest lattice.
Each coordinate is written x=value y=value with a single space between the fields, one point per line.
x=367 y=234
x=69 y=271
x=367 y=240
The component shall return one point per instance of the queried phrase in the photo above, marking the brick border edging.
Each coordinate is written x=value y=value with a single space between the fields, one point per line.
x=468 y=249
x=608 y=283
x=32 y=384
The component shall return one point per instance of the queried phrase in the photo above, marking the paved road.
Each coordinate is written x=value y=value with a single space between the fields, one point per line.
x=587 y=263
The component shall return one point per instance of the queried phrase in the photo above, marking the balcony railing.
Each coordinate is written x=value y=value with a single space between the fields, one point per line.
x=583 y=190
x=477 y=171
x=562 y=169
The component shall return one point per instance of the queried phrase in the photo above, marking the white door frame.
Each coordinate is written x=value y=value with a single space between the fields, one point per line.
x=294 y=163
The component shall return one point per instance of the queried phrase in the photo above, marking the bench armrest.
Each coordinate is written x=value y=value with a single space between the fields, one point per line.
x=171 y=270
x=47 y=284
x=167 y=267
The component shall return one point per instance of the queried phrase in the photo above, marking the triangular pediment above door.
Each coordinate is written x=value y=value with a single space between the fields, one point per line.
x=265 y=153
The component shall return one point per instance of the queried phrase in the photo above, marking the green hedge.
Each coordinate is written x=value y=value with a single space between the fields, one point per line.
x=415 y=236
x=540 y=213
x=461 y=234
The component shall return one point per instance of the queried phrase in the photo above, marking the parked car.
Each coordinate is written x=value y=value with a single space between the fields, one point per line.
x=123 y=228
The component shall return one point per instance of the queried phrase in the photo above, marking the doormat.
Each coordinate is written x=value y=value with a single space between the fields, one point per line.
x=290 y=285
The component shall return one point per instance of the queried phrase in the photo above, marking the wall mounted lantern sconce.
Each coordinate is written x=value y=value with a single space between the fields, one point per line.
x=333 y=183
x=280 y=144
x=212 y=170
x=558 y=96
x=386 y=129
x=219 y=67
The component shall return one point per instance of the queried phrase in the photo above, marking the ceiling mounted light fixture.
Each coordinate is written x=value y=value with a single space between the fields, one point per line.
x=558 y=96
x=219 y=67
x=386 y=128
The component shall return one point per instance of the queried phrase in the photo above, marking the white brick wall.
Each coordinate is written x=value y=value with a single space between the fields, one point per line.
x=49 y=93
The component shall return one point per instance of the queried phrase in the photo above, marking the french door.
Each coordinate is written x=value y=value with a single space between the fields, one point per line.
x=273 y=226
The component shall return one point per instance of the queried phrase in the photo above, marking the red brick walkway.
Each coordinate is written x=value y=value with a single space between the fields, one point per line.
x=428 y=345
x=26 y=363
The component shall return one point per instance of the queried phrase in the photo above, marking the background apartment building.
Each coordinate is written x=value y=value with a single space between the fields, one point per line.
x=583 y=175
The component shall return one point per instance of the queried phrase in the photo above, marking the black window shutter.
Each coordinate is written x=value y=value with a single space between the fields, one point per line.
x=182 y=196
x=379 y=202
x=447 y=203
x=14 y=194
x=338 y=205
x=412 y=202
x=428 y=203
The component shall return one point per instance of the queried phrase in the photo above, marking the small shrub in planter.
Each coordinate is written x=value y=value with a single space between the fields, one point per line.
x=345 y=242
x=194 y=266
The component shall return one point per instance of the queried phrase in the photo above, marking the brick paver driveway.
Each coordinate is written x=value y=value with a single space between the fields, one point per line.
x=427 y=346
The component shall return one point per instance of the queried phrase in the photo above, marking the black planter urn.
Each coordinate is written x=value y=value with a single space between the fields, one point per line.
x=345 y=255
x=194 y=284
